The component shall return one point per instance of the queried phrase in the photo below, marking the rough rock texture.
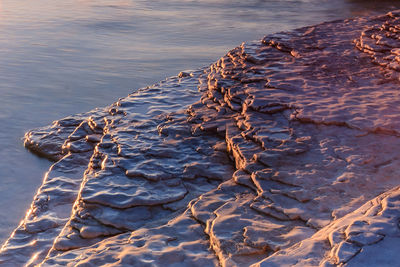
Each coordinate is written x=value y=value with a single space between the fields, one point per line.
x=282 y=153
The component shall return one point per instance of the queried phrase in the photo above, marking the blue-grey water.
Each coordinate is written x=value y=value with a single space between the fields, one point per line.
x=68 y=56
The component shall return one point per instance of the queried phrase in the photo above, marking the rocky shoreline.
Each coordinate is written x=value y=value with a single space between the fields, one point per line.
x=282 y=153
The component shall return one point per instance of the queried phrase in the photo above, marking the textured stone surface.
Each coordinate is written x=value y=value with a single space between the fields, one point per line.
x=282 y=153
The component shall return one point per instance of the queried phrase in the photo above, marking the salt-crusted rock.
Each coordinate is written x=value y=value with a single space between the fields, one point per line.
x=180 y=242
x=137 y=174
x=282 y=153
x=361 y=238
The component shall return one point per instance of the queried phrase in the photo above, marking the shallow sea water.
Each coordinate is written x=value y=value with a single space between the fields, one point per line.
x=63 y=57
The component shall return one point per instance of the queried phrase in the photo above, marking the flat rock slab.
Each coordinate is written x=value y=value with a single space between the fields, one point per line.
x=283 y=152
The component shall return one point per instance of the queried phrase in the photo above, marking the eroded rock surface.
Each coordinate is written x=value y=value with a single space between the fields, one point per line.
x=281 y=153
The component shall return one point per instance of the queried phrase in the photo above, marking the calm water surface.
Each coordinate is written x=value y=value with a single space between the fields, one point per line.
x=67 y=56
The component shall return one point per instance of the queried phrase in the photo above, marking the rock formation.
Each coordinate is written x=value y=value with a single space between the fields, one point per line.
x=282 y=153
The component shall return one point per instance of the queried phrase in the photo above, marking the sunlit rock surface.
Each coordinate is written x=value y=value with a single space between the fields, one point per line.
x=282 y=153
